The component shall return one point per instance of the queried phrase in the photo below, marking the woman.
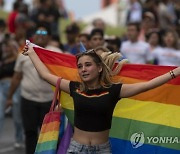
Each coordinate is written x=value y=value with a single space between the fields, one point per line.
x=94 y=98
x=154 y=39
x=169 y=54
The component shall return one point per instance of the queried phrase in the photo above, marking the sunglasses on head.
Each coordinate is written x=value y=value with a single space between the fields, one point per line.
x=91 y=52
x=41 y=32
x=85 y=53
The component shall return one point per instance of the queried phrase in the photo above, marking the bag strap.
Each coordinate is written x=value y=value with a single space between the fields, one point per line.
x=56 y=93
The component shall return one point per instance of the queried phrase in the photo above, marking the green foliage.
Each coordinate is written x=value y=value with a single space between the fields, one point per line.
x=3 y=14
x=117 y=31
x=63 y=23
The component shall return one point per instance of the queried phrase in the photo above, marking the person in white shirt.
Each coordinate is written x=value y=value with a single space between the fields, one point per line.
x=36 y=93
x=137 y=52
x=170 y=54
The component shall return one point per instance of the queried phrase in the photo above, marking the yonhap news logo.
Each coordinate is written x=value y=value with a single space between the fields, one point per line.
x=138 y=139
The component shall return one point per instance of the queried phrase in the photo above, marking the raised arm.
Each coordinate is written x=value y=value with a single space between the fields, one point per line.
x=129 y=90
x=43 y=70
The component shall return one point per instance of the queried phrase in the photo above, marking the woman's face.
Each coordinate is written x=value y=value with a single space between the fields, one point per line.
x=169 y=39
x=154 y=39
x=88 y=70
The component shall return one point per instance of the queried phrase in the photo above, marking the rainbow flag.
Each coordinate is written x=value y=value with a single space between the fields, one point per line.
x=148 y=123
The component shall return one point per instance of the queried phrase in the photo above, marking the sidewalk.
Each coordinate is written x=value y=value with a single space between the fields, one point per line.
x=7 y=140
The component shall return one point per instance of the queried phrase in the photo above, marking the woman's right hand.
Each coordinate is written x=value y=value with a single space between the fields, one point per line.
x=28 y=48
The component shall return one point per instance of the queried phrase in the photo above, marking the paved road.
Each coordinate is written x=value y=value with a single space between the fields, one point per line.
x=7 y=140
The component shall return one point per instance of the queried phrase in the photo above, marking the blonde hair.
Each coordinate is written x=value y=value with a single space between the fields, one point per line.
x=111 y=59
x=105 y=74
x=108 y=61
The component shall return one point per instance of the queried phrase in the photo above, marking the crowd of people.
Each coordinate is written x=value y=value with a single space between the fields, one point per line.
x=152 y=37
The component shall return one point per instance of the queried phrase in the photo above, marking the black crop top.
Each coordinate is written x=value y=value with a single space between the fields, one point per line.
x=93 y=109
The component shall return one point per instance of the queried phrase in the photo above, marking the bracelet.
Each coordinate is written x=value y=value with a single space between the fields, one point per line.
x=172 y=74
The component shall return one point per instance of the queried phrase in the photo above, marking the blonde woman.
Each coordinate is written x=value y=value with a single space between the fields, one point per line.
x=95 y=98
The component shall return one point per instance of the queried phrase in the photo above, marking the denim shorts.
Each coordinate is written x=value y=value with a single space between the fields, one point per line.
x=77 y=148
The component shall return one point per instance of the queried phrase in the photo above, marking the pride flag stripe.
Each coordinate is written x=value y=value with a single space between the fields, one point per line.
x=143 y=110
x=140 y=72
x=46 y=152
x=50 y=127
x=48 y=117
x=56 y=58
x=48 y=136
x=46 y=146
x=65 y=72
x=156 y=94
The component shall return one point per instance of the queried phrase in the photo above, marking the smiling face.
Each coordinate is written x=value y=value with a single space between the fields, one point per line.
x=88 y=70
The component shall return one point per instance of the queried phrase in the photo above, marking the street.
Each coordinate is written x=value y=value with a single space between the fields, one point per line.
x=7 y=140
